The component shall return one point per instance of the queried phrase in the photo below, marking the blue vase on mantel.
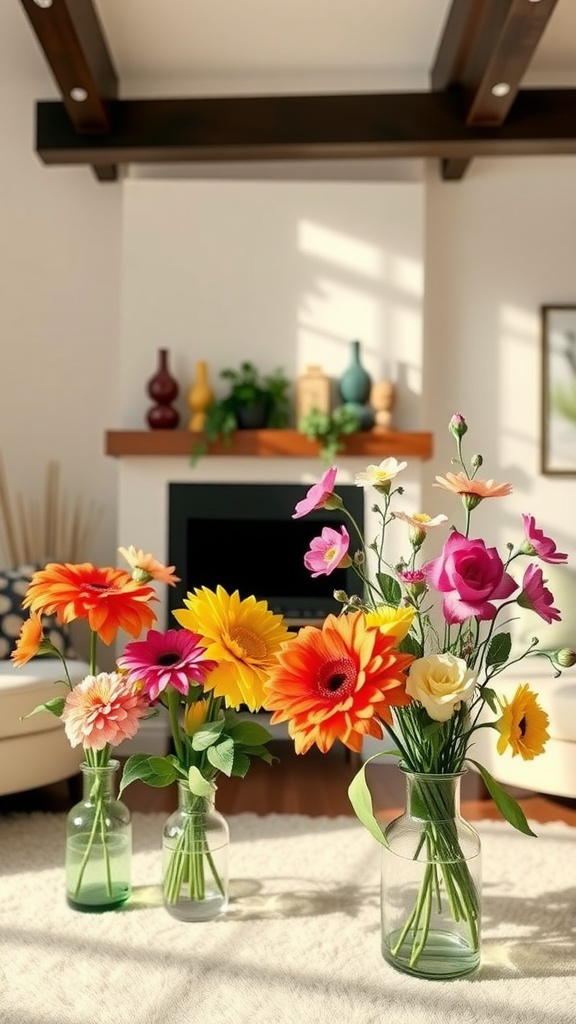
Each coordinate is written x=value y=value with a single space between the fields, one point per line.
x=355 y=385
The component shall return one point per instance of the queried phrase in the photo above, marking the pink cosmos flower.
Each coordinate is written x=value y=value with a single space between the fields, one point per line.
x=536 y=596
x=470 y=575
x=174 y=658
x=328 y=552
x=318 y=495
x=102 y=710
x=537 y=543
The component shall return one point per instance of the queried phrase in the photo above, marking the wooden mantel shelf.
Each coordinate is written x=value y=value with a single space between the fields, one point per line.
x=268 y=443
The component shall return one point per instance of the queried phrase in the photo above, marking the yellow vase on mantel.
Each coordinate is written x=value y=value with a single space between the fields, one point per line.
x=200 y=396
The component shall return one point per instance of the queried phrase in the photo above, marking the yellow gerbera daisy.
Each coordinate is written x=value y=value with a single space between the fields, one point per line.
x=242 y=636
x=523 y=725
x=391 y=621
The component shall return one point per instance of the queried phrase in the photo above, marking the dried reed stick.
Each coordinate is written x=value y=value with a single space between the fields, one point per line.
x=51 y=531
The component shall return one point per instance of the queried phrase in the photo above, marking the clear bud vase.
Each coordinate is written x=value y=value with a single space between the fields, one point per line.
x=431 y=883
x=98 y=844
x=195 y=845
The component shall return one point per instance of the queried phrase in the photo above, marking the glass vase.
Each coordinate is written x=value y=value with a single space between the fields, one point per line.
x=431 y=883
x=98 y=844
x=195 y=844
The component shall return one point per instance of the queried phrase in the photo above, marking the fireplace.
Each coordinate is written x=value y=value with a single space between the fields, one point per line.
x=243 y=537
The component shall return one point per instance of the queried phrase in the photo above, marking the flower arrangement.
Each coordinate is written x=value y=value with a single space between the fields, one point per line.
x=204 y=673
x=105 y=708
x=414 y=659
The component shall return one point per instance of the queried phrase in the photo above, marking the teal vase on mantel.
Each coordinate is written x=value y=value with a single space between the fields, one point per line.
x=355 y=383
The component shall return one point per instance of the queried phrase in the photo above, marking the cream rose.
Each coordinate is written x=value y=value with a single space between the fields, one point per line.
x=440 y=682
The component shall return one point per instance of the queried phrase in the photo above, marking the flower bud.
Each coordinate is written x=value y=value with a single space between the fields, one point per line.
x=565 y=657
x=341 y=596
x=332 y=501
x=457 y=425
x=476 y=461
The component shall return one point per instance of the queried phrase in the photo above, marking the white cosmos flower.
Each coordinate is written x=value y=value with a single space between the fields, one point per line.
x=420 y=521
x=380 y=476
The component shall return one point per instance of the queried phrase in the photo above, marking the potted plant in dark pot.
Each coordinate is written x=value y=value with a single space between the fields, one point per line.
x=254 y=401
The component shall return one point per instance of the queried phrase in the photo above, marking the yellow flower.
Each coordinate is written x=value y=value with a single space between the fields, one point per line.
x=523 y=725
x=440 y=682
x=391 y=621
x=194 y=716
x=242 y=636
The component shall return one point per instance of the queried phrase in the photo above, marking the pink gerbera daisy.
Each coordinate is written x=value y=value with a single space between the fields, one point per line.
x=174 y=658
x=102 y=711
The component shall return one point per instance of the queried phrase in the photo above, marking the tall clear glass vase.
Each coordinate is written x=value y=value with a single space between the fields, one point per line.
x=431 y=883
x=98 y=844
x=195 y=846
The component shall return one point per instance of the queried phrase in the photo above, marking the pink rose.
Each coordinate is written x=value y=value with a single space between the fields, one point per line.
x=470 y=575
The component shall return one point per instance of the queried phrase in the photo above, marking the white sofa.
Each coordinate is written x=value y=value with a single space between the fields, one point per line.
x=35 y=752
x=554 y=771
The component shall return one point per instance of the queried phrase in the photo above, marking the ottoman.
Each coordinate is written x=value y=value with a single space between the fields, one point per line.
x=35 y=752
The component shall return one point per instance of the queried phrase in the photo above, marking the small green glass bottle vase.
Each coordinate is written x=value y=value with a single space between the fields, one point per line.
x=431 y=883
x=195 y=844
x=98 y=844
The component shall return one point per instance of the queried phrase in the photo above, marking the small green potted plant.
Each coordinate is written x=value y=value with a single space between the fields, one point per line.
x=254 y=401
x=329 y=428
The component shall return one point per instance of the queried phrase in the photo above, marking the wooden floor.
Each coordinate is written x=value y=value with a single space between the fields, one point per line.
x=314 y=784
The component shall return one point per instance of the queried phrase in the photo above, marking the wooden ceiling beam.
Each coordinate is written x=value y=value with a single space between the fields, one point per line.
x=484 y=52
x=427 y=124
x=71 y=35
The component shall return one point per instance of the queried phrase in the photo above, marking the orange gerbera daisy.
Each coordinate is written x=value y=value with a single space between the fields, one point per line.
x=109 y=599
x=459 y=483
x=337 y=683
x=29 y=642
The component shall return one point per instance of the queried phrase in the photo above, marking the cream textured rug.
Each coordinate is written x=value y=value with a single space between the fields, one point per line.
x=300 y=943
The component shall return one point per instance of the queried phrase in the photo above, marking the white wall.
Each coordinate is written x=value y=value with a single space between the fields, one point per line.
x=498 y=246
x=59 y=308
x=281 y=273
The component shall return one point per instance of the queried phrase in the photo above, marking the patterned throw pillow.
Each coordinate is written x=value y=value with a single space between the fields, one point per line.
x=13 y=586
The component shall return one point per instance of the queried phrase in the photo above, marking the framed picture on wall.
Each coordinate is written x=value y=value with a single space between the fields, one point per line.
x=558 y=389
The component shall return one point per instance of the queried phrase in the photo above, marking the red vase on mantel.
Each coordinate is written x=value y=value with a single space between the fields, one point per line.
x=163 y=390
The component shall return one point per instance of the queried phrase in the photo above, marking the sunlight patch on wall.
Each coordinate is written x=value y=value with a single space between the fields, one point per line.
x=368 y=294
x=340 y=250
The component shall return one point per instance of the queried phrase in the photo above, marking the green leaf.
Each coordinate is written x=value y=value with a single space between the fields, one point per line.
x=221 y=756
x=55 y=706
x=241 y=764
x=498 y=649
x=207 y=735
x=198 y=784
x=154 y=771
x=389 y=588
x=361 y=800
x=489 y=696
x=507 y=806
x=250 y=734
x=410 y=645
x=262 y=752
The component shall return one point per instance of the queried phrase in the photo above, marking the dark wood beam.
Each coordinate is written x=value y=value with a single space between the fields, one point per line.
x=426 y=124
x=487 y=45
x=71 y=35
